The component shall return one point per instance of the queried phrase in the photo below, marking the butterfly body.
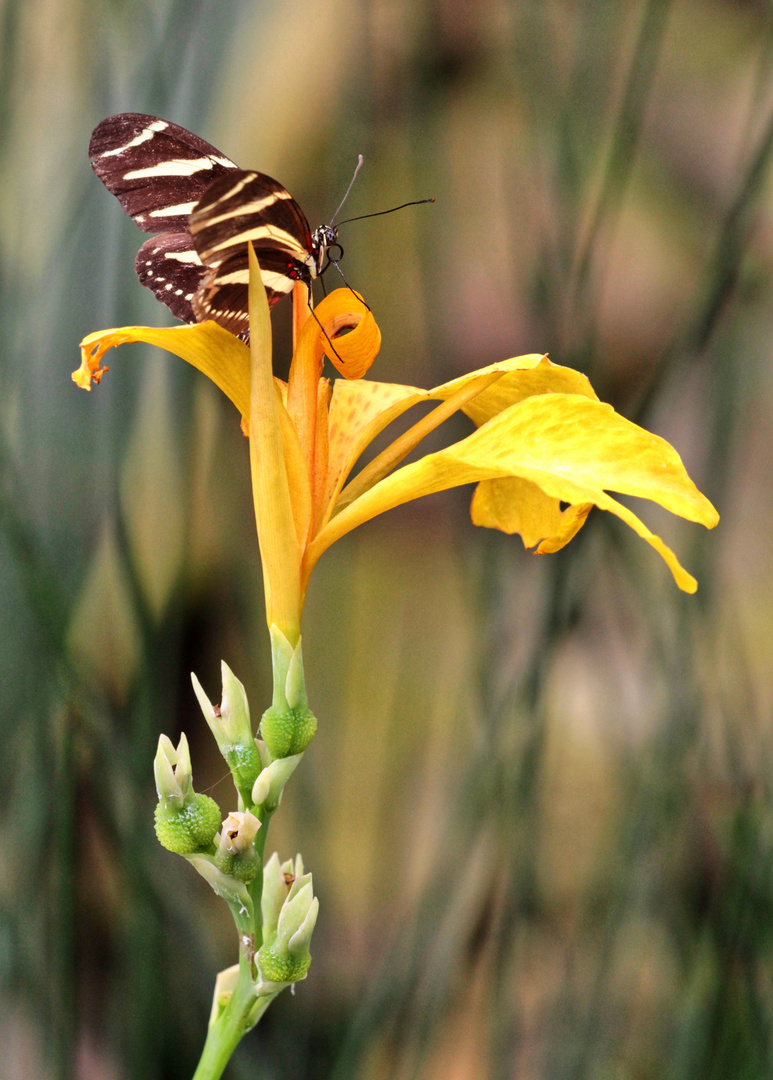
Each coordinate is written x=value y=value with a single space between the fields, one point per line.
x=204 y=210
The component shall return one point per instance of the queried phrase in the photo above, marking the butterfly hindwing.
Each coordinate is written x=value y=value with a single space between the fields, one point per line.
x=169 y=266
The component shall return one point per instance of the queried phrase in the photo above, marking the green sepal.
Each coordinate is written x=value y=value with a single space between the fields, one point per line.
x=287 y=731
x=267 y=789
x=187 y=829
x=225 y=985
x=233 y=891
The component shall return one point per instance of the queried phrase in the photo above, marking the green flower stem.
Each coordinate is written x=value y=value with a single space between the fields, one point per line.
x=255 y=887
x=245 y=1008
x=243 y=1011
x=240 y=1015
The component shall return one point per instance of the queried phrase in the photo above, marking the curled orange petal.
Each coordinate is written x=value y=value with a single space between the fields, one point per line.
x=353 y=353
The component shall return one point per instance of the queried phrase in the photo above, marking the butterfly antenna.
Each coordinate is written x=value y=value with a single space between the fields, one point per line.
x=416 y=202
x=346 y=196
x=334 y=262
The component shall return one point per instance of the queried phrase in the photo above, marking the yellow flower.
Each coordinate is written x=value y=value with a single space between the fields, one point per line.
x=542 y=439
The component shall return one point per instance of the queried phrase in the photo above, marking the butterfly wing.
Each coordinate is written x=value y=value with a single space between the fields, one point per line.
x=169 y=266
x=158 y=171
x=236 y=209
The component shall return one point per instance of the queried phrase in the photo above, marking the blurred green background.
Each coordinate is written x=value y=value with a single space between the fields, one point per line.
x=538 y=809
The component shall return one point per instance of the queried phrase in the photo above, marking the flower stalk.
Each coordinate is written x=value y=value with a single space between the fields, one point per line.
x=542 y=453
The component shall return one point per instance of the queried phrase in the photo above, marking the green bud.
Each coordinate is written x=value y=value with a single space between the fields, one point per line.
x=185 y=822
x=278 y=967
x=190 y=829
x=236 y=855
x=288 y=726
x=287 y=732
x=267 y=789
x=284 y=957
x=230 y=724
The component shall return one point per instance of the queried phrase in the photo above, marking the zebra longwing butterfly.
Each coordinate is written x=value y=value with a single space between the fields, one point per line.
x=205 y=210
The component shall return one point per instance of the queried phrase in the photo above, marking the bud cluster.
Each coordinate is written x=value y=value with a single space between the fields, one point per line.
x=229 y=856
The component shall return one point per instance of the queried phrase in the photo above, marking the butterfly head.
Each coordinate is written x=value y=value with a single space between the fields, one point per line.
x=324 y=238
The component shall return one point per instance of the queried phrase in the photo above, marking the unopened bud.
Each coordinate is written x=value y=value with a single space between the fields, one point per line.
x=185 y=822
x=172 y=769
x=236 y=854
x=284 y=956
x=230 y=724
x=288 y=726
x=275 y=890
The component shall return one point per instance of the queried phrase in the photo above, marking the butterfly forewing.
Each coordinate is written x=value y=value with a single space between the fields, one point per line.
x=157 y=170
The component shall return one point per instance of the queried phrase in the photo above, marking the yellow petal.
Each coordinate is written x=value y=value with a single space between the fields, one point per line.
x=572 y=520
x=360 y=411
x=297 y=474
x=572 y=447
x=525 y=376
x=279 y=547
x=404 y=444
x=207 y=346
x=515 y=505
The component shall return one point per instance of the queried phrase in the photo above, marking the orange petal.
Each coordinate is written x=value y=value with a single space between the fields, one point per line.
x=352 y=354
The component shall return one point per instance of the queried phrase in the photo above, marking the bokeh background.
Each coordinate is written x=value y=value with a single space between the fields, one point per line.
x=538 y=809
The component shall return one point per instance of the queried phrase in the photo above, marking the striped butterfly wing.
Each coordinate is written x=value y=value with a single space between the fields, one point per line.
x=158 y=171
x=236 y=209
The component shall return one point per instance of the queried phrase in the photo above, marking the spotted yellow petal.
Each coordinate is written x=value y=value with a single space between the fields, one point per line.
x=359 y=411
x=207 y=346
x=573 y=447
